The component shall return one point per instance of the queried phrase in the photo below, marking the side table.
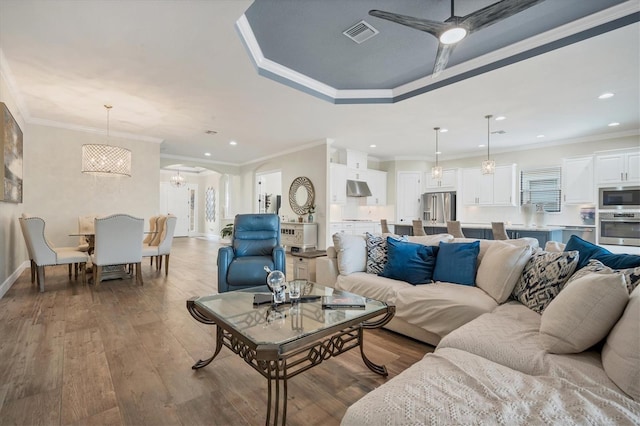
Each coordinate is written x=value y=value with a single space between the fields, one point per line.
x=303 y=264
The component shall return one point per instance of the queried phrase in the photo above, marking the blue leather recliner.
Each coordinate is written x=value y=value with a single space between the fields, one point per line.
x=255 y=244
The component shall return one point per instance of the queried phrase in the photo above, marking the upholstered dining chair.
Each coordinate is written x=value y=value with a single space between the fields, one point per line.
x=454 y=228
x=499 y=233
x=44 y=254
x=85 y=225
x=27 y=243
x=153 y=225
x=155 y=233
x=117 y=242
x=254 y=245
x=163 y=248
x=418 y=228
x=384 y=226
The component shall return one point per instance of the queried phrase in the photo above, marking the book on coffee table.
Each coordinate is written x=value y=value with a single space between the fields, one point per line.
x=343 y=302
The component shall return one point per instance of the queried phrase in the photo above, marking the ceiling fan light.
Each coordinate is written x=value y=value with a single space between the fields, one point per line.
x=453 y=35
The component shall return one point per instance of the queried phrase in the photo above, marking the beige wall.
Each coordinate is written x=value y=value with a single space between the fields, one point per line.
x=312 y=162
x=56 y=189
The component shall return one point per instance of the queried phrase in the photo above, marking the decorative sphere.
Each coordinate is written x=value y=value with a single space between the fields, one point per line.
x=275 y=279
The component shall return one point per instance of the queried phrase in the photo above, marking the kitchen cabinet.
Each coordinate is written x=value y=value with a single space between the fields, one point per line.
x=354 y=174
x=621 y=168
x=377 y=182
x=498 y=189
x=356 y=160
x=447 y=183
x=408 y=196
x=577 y=180
x=338 y=183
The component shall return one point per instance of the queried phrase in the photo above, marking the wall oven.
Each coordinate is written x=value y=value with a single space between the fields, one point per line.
x=620 y=228
x=619 y=198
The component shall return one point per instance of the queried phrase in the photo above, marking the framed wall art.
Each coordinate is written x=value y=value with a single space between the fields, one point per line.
x=11 y=157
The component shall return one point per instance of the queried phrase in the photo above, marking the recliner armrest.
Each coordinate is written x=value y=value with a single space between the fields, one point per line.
x=225 y=257
x=279 y=259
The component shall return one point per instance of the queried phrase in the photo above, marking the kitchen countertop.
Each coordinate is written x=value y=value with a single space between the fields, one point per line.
x=512 y=227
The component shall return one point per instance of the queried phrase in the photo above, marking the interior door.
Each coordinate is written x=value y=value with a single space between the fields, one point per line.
x=408 y=193
x=181 y=202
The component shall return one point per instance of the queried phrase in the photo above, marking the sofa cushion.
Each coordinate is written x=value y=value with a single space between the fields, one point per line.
x=377 y=253
x=586 y=249
x=457 y=263
x=621 y=354
x=453 y=387
x=501 y=268
x=583 y=313
x=410 y=262
x=543 y=277
x=631 y=275
x=554 y=246
x=352 y=253
x=372 y=286
x=430 y=240
x=619 y=261
x=440 y=307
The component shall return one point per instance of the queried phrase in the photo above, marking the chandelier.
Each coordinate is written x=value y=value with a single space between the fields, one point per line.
x=106 y=159
x=436 y=171
x=177 y=180
x=488 y=166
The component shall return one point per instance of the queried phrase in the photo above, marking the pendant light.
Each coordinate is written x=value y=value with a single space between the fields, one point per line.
x=488 y=166
x=177 y=180
x=106 y=159
x=436 y=171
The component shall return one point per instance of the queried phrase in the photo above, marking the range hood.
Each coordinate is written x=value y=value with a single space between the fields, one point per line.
x=358 y=188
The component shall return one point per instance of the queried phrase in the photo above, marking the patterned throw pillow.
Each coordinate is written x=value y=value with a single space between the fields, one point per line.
x=631 y=275
x=543 y=277
x=377 y=253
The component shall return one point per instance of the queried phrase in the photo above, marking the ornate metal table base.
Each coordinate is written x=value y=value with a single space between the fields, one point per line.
x=278 y=367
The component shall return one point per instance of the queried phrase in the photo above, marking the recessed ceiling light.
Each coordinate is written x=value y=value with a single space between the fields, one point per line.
x=614 y=124
x=540 y=136
x=606 y=95
x=372 y=146
x=208 y=154
x=234 y=143
x=444 y=130
x=438 y=152
x=500 y=118
x=481 y=145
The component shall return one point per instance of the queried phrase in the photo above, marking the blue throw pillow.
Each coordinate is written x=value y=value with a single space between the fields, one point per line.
x=457 y=263
x=619 y=261
x=409 y=262
x=586 y=249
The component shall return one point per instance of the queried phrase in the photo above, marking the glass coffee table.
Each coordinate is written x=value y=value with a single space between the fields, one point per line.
x=282 y=341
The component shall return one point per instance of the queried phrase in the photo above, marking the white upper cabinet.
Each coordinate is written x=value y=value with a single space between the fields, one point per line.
x=577 y=180
x=498 y=189
x=448 y=182
x=377 y=182
x=622 y=168
x=338 y=183
x=356 y=160
x=354 y=174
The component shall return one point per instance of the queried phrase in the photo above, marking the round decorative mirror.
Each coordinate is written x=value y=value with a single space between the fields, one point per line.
x=301 y=195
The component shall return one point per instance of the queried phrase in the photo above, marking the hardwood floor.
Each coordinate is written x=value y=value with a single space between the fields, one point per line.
x=122 y=354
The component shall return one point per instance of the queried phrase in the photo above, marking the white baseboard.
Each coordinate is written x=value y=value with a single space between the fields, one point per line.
x=6 y=285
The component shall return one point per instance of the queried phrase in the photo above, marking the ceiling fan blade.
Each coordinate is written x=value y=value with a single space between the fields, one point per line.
x=496 y=12
x=432 y=27
x=442 y=58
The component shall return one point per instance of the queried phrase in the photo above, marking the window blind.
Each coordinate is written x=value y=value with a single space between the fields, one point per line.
x=542 y=186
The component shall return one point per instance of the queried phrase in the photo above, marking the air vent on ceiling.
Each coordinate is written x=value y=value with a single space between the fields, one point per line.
x=360 y=32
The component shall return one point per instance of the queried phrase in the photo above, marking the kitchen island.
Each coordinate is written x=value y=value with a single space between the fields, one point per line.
x=483 y=231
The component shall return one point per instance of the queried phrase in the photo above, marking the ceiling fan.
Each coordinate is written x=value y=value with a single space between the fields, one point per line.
x=456 y=28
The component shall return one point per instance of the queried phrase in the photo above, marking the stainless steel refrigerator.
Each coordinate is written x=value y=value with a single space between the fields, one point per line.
x=438 y=207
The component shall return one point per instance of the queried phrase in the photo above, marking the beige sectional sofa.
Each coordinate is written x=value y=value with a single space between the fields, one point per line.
x=498 y=361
